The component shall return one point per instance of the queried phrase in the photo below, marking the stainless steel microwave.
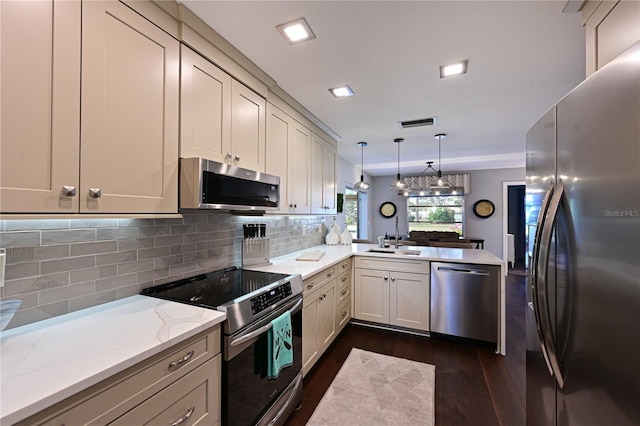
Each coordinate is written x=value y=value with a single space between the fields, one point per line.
x=206 y=184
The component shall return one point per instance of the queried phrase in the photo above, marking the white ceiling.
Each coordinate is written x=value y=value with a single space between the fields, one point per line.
x=523 y=57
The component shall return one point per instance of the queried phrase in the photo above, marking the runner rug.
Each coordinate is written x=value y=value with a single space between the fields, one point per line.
x=374 y=389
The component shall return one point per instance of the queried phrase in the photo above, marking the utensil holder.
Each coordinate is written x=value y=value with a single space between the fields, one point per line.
x=256 y=252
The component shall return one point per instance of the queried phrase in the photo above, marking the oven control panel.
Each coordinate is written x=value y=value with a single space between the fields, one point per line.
x=262 y=301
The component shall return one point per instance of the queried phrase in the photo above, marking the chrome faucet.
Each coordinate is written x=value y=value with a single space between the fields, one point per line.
x=397 y=233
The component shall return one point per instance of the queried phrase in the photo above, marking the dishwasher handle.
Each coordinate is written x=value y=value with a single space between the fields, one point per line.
x=467 y=271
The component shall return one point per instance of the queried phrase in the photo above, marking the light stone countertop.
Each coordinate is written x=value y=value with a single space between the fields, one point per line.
x=45 y=362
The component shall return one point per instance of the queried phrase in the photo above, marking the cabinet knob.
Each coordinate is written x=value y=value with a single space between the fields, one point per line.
x=229 y=155
x=69 y=191
x=237 y=158
x=95 y=193
x=386 y=278
x=393 y=278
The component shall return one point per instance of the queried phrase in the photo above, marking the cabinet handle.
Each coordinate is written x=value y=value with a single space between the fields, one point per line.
x=292 y=205
x=310 y=286
x=393 y=278
x=344 y=279
x=343 y=292
x=95 y=193
x=344 y=314
x=69 y=191
x=185 y=417
x=182 y=360
x=329 y=275
x=237 y=158
x=386 y=278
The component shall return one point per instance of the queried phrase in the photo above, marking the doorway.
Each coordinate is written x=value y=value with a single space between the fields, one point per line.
x=355 y=213
x=514 y=224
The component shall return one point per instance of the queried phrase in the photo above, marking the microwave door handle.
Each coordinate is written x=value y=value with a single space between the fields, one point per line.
x=544 y=207
x=542 y=291
x=240 y=340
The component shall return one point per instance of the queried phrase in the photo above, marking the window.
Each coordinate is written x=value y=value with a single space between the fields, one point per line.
x=355 y=213
x=436 y=213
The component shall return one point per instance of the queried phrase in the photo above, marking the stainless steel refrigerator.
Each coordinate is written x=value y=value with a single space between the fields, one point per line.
x=583 y=221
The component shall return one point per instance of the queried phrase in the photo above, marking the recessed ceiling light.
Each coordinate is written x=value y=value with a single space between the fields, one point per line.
x=455 y=68
x=342 y=91
x=296 y=31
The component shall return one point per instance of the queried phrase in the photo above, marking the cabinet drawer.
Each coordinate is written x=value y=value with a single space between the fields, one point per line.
x=192 y=400
x=343 y=314
x=312 y=283
x=393 y=264
x=343 y=293
x=105 y=401
x=344 y=280
x=345 y=265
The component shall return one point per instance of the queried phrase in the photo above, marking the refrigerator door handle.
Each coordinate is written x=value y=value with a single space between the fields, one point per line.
x=542 y=270
x=544 y=207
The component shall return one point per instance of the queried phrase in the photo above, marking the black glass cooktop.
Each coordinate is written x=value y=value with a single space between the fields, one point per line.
x=214 y=289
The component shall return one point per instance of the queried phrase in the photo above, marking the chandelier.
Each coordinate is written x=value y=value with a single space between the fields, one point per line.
x=430 y=181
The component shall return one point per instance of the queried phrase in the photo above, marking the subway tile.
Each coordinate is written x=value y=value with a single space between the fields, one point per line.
x=135 y=243
x=207 y=227
x=51 y=252
x=130 y=290
x=19 y=239
x=66 y=292
x=194 y=238
x=152 y=275
x=137 y=223
x=114 y=258
x=28 y=225
x=21 y=270
x=139 y=266
x=161 y=262
x=90 y=274
x=28 y=300
x=116 y=233
x=71 y=236
x=115 y=282
x=154 y=231
x=80 y=249
x=183 y=248
x=93 y=223
x=35 y=284
x=169 y=240
x=195 y=218
x=182 y=268
x=184 y=229
x=154 y=252
x=19 y=255
x=68 y=264
x=168 y=221
x=94 y=299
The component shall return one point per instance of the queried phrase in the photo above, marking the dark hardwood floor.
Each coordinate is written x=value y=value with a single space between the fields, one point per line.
x=474 y=386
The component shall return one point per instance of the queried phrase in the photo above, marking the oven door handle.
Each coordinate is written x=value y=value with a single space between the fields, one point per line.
x=263 y=329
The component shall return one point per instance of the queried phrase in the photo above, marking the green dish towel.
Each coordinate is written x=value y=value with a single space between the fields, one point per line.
x=280 y=347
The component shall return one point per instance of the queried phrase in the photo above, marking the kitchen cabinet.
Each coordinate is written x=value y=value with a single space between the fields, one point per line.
x=343 y=294
x=323 y=176
x=40 y=112
x=393 y=292
x=610 y=28
x=288 y=153
x=221 y=119
x=115 y=150
x=318 y=316
x=183 y=381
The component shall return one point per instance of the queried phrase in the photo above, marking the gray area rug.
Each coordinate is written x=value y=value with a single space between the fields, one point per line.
x=374 y=389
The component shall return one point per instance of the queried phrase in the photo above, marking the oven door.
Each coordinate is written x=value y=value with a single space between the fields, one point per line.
x=247 y=393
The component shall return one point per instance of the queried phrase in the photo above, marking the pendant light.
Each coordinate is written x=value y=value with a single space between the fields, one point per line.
x=399 y=183
x=441 y=182
x=362 y=185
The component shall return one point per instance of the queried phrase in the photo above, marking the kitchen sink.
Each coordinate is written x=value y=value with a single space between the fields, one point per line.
x=407 y=252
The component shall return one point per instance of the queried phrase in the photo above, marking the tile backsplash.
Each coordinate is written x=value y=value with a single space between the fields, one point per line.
x=60 y=266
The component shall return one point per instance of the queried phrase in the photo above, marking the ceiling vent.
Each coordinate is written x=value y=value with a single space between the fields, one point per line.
x=418 y=123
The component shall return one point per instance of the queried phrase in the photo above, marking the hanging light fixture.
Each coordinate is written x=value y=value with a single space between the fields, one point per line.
x=399 y=184
x=441 y=182
x=362 y=185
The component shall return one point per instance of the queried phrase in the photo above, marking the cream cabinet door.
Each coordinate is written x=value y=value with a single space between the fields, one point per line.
x=298 y=162
x=409 y=300
x=371 y=295
x=327 y=315
x=40 y=111
x=129 y=117
x=248 y=128
x=323 y=176
x=205 y=108
x=310 y=341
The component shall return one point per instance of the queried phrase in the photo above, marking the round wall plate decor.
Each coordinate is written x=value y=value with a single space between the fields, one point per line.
x=387 y=209
x=483 y=208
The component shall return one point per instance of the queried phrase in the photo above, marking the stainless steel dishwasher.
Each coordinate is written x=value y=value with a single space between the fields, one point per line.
x=464 y=300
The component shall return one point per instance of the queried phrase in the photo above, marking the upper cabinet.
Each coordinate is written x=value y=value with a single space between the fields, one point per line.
x=221 y=119
x=130 y=95
x=288 y=155
x=323 y=176
x=40 y=112
x=113 y=150
x=610 y=27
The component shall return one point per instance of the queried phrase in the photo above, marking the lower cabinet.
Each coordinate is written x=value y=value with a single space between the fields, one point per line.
x=180 y=385
x=394 y=292
x=318 y=322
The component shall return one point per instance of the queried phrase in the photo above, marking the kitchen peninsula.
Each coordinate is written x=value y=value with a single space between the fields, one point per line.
x=337 y=254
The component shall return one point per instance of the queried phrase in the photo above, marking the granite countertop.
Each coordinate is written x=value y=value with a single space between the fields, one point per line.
x=48 y=361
